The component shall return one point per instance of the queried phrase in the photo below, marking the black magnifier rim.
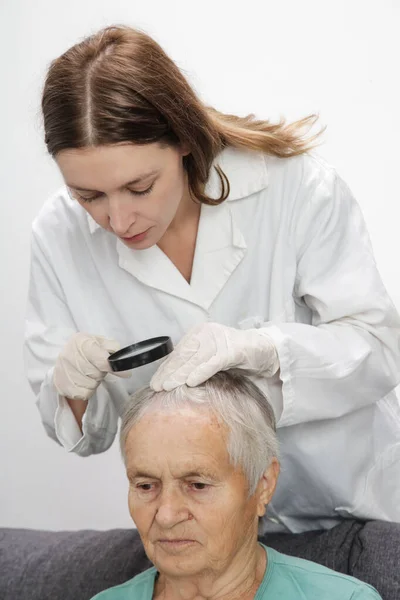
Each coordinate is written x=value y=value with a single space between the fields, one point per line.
x=143 y=358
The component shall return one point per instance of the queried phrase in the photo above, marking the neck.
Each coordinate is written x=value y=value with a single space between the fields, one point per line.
x=239 y=579
x=179 y=241
x=188 y=211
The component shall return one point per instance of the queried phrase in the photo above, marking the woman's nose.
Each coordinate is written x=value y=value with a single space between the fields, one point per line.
x=121 y=215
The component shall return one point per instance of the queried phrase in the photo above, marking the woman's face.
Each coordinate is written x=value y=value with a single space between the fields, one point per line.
x=189 y=503
x=132 y=191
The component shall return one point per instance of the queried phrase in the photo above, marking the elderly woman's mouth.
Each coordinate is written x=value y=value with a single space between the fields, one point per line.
x=176 y=544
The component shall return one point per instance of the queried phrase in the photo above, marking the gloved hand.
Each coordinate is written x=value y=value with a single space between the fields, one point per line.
x=82 y=365
x=211 y=347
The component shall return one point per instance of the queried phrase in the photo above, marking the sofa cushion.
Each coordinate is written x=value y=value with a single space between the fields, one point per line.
x=41 y=565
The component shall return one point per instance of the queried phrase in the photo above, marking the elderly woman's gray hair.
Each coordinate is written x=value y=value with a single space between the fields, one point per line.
x=236 y=402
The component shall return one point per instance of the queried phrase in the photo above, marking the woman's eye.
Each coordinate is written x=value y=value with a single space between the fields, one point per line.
x=81 y=198
x=89 y=199
x=142 y=192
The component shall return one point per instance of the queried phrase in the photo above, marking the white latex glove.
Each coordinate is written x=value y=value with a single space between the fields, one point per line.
x=211 y=347
x=82 y=365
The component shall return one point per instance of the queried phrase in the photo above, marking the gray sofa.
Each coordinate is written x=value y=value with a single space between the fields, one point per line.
x=43 y=565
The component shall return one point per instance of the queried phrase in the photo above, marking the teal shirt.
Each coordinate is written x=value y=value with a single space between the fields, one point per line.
x=286 y=578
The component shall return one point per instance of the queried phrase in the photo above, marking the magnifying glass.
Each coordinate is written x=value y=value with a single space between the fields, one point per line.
x=140 y=354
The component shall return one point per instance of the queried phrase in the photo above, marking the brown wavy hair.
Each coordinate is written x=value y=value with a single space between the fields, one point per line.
x=118 y=85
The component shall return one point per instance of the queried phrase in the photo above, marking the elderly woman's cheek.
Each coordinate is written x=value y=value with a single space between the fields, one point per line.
x=138 y=508
x=131 y=503
x=223 y=525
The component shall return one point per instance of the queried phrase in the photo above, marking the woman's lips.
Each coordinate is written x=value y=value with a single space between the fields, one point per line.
x=136 y=238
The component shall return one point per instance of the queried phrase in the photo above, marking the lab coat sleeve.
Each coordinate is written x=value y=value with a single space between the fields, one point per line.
x=349 y=356
x=48 y=326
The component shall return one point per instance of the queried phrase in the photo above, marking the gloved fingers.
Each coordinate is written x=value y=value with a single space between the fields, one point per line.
x=110 y=346
x=198 y=362
x=94 y=351
x=214 y=355
x=78 y=386
x=204 y=371
x=164 y=371
x=176 y=360
x=199 y=346
x=102 y=352
x=226 y=356
x=82 y=365
x=173 y=378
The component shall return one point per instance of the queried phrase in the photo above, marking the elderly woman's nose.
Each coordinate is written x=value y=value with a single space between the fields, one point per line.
x=171 y=508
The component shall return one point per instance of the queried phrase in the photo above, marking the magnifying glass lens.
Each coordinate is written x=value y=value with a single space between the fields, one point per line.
x=140 y=354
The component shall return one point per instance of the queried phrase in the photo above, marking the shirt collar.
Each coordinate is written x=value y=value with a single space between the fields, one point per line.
x=246 y=172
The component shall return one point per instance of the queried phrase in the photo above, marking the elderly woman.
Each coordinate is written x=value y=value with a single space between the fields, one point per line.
x=202 y=467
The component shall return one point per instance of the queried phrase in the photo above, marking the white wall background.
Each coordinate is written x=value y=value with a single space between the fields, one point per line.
x=272 y=57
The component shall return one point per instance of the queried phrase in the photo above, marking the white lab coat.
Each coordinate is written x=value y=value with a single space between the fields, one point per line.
x=288 y=251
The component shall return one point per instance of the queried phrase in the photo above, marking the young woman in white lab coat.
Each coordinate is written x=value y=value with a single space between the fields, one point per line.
x=178 y=220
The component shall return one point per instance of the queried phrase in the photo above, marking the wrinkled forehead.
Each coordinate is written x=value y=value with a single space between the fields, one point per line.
x=186 y=418
x=182 y=436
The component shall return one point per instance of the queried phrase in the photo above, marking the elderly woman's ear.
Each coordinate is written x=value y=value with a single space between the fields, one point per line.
x=266 y=487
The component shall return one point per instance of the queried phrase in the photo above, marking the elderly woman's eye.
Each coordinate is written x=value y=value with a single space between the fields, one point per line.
x=145 y=487
x=199 y=486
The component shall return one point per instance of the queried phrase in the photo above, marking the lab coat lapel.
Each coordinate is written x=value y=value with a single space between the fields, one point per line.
x=153 y=268
x=220 y=247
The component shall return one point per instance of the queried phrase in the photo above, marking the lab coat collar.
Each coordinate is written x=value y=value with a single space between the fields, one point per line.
x=93 y=226
x=220 y=247
x=245 y=170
